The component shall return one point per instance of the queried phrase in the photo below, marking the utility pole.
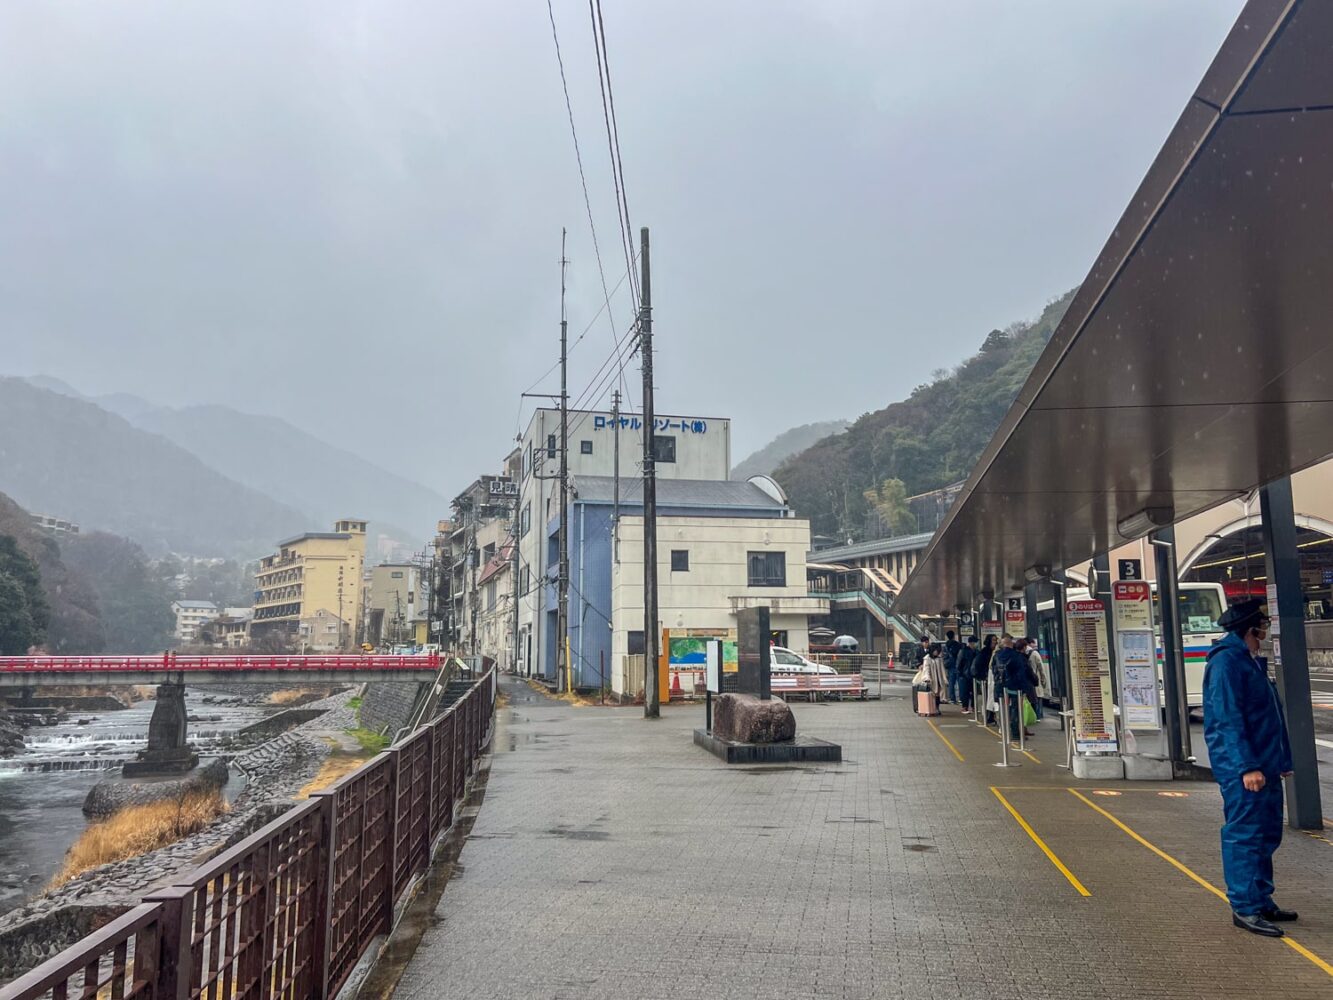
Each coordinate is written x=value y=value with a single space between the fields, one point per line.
x=562 y=617
x=651 y=708
x=513 y=572
x=615 y=479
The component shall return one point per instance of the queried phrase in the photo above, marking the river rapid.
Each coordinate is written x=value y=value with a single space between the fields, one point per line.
x=42 y=790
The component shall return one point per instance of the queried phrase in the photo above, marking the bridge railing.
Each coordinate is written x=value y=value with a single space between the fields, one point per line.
x=289 y=911
x=221 y=663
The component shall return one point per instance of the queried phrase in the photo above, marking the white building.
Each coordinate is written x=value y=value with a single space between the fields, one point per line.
x=190 y=615
x=689 y=447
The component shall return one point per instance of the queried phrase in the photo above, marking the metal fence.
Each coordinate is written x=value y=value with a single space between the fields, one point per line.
x=289 y=911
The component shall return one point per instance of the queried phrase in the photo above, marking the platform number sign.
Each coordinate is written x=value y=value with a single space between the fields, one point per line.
x=1130 y=569
x=1015 y=603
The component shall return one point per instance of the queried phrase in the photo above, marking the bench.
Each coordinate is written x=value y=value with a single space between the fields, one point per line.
x=813 y=685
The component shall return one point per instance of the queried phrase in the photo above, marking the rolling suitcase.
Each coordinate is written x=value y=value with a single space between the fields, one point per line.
x=926 y=702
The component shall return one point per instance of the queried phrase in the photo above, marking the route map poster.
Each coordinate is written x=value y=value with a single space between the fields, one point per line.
x=1090 y=676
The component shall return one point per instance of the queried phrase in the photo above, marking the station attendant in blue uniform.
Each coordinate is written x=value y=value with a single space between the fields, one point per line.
x=1247 y=742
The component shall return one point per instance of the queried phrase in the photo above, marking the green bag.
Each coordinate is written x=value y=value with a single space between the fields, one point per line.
x=1029 y=713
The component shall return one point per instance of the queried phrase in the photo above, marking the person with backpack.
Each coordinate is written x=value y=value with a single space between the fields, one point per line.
x=952 y=647
x=1038 y=665
x=963 y=670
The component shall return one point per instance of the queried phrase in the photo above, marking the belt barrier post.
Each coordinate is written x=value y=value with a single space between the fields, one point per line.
x=1004 y=732
x=1022 y=727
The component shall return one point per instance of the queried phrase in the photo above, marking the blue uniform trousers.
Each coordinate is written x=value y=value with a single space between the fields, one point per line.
x=1250 y=835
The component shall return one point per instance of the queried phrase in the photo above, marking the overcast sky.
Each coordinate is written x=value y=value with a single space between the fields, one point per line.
x=348 y=213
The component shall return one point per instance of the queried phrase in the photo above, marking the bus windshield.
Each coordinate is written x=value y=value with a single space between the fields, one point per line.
x=1199 y=610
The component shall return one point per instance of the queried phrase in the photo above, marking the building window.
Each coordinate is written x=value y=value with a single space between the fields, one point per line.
x=523 y=581
x=636 y=643
x=767 y=569
x=525 y=520
x=550 y=446
x=585 y=447
x=680 y=560
x=664 y=448
x=396 y=575
x=490 y=597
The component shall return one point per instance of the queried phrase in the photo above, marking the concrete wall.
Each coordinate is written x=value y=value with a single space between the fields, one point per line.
x=388 y=706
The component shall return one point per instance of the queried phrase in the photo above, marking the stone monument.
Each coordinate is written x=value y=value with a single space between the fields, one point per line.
x=749 y=725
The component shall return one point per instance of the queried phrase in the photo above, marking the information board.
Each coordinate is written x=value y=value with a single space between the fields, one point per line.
x=1132 y=603
x=1016 y=623
x=1090 y=674
x=1139 y=704
x=995 y=628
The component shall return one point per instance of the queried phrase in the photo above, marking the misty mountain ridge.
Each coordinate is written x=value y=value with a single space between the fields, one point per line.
x=70 y=458
x=276 y=458
x=784 y=446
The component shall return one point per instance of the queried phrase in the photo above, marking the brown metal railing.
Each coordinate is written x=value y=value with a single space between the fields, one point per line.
x=289 y=911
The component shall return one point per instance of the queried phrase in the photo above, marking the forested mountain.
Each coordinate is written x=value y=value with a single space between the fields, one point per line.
x=929 y=440
x=784 y=446
x=63 y=456
x=282 y=461
x=73 y=621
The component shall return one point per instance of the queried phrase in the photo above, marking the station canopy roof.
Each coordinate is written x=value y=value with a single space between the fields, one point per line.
x=1196 y=361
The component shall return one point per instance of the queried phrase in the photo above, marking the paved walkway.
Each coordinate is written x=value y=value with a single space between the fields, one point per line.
x=613 y=858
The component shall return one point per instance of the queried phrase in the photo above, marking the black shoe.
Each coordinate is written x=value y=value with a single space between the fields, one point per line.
x=1277 y=914
x=1256 y=924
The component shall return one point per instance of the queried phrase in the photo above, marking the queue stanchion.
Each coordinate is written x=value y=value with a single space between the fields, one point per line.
x=1004 y=733
x=978 y=697
x=1022 y=726
x=1067 y=720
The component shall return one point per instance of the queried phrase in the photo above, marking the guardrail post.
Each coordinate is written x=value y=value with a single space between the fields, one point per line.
x=325 y=852
x=174 y=953
x=391 y=841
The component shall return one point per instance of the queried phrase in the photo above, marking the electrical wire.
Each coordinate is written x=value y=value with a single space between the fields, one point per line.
x=612 y=136
x=587 y=201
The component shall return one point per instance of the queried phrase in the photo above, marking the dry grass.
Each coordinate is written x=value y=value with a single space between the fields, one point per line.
x=335 y=767
x=287 y=696
x=136 y=830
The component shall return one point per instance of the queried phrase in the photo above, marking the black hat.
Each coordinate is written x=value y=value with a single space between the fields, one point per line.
x=1243 y=615
x=971 y=638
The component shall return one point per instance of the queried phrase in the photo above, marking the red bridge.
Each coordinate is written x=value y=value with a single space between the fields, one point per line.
x=30 y=671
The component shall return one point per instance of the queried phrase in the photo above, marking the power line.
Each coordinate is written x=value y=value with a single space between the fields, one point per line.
x=613 y=137
x=583 y=180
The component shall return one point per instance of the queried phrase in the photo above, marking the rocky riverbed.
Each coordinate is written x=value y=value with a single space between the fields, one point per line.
x=274 y=771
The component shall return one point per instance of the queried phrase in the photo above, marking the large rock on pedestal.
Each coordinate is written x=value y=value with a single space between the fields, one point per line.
x=744 y=718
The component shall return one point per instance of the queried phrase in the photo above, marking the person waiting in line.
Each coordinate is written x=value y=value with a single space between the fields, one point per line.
x=1250 y=753
x=922 y=650
x=952 y=647
x=963 y=671
x=1038 y=666
x=1021 y=677
x=1009 y=671
x=933 y=668
x=981 y=672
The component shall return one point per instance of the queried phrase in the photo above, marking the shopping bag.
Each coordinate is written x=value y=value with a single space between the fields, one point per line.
x=1029 y=713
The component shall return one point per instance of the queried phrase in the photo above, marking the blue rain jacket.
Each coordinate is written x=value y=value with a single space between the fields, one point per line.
x=1243 y=723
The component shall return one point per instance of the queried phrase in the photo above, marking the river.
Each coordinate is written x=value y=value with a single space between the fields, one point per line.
x=42 y=790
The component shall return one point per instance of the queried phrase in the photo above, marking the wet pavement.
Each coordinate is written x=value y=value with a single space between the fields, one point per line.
x=613 y=858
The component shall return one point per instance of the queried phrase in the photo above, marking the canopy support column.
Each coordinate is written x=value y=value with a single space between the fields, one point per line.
x=1290 y=658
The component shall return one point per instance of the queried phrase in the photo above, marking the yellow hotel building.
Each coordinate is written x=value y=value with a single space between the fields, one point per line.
x=320 y=570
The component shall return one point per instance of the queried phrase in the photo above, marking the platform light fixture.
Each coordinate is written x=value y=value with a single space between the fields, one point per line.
x=1036 y=572
x=1144 y=522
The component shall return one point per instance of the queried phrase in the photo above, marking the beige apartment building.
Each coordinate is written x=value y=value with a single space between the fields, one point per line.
x=309 y=573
